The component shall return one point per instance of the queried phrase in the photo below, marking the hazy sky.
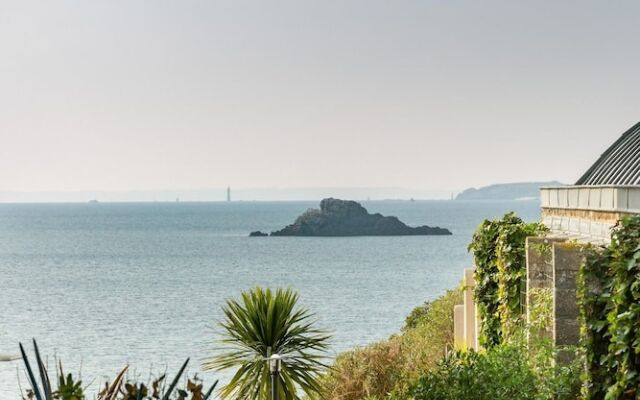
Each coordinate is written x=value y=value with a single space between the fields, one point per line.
x=435 y=95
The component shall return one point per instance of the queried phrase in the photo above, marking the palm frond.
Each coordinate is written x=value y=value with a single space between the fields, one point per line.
x=264 y=320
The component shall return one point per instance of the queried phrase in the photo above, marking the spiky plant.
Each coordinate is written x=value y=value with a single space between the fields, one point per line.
x=261 y=323
x=68 y=387
x=119 y=389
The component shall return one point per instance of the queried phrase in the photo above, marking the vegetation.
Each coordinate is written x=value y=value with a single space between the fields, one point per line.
x=387 y=368
x=263 y=323
x=594 y=296
x=69 y=388
x=521 y=368
x=609 y=288
x=415 y=365
x=518 y=360
x=499 y=251
x=505 y=372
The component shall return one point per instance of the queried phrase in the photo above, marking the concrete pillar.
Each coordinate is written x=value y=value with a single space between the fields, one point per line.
x=567 y=258
x=470 y=323
x=458 y=327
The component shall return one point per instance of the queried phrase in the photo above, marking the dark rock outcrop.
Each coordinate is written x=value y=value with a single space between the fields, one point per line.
x=348 y=218
x=258 y=234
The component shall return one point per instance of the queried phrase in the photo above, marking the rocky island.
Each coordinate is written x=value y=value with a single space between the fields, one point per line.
x=348 y=218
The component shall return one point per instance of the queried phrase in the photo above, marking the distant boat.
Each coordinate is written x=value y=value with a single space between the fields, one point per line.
x=94 y=201
x=7 y=358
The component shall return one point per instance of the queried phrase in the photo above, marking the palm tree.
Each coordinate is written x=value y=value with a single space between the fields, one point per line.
x=263 y=323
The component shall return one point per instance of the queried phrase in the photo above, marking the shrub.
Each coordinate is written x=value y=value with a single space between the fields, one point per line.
x=424 y=345
x=365 y=372
x=505 y=372
x=479 y=376
x=385 y=369
x=520 y=368
x=416 y=316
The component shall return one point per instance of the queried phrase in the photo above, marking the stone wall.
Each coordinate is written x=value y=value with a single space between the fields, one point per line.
x=552 y=266
x=540 y=272
x=587 y=212
x=567 y=258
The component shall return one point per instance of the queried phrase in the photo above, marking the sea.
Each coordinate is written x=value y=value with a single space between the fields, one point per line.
x=104 y=285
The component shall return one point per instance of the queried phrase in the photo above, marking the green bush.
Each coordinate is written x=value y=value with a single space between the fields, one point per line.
x=417 y=315
x=506 y=372
x=479 y=376
x=520 y=368
x=385 y=369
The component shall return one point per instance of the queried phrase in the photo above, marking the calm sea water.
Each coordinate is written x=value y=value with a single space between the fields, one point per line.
x=105 y=285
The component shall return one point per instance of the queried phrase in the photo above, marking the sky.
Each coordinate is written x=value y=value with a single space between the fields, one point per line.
x=122 y=96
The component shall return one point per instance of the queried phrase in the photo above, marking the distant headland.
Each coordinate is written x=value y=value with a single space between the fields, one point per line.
x=348 y=218
x=507 y=191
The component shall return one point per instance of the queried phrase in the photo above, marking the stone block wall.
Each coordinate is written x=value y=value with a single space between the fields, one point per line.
x=539 y=252
x=552 y=266
x=587 y=212
x=567 y=258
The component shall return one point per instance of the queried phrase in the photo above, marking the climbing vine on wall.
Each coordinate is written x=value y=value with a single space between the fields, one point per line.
x=609 y=288
x=594 y=297
x=483 y=246
x=499 y=252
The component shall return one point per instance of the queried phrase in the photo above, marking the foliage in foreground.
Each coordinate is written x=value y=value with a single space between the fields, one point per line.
x=265 y=322
x=499 y=252
x=609 y=288
x=70 y=388
x=505 y=372
x=386 y=368
x=521 y=368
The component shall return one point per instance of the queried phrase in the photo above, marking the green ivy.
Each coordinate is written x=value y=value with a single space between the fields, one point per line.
x=624 y=317
x=499 y=252
x=609 y=288
x=594 y=298
x=485 y=293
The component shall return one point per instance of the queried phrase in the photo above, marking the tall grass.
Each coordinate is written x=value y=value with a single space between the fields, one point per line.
x=386 y=368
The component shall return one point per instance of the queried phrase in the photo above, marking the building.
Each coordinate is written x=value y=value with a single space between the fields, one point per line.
x=576 y=215
x=605 y=193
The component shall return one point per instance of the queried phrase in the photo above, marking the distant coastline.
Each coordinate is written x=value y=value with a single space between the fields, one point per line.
x=220 y=194
x=507 y=191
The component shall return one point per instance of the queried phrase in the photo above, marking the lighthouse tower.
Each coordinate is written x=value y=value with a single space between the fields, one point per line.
x=229 y=194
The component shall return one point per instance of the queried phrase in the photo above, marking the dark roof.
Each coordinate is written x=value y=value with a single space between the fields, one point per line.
x=619 y=165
